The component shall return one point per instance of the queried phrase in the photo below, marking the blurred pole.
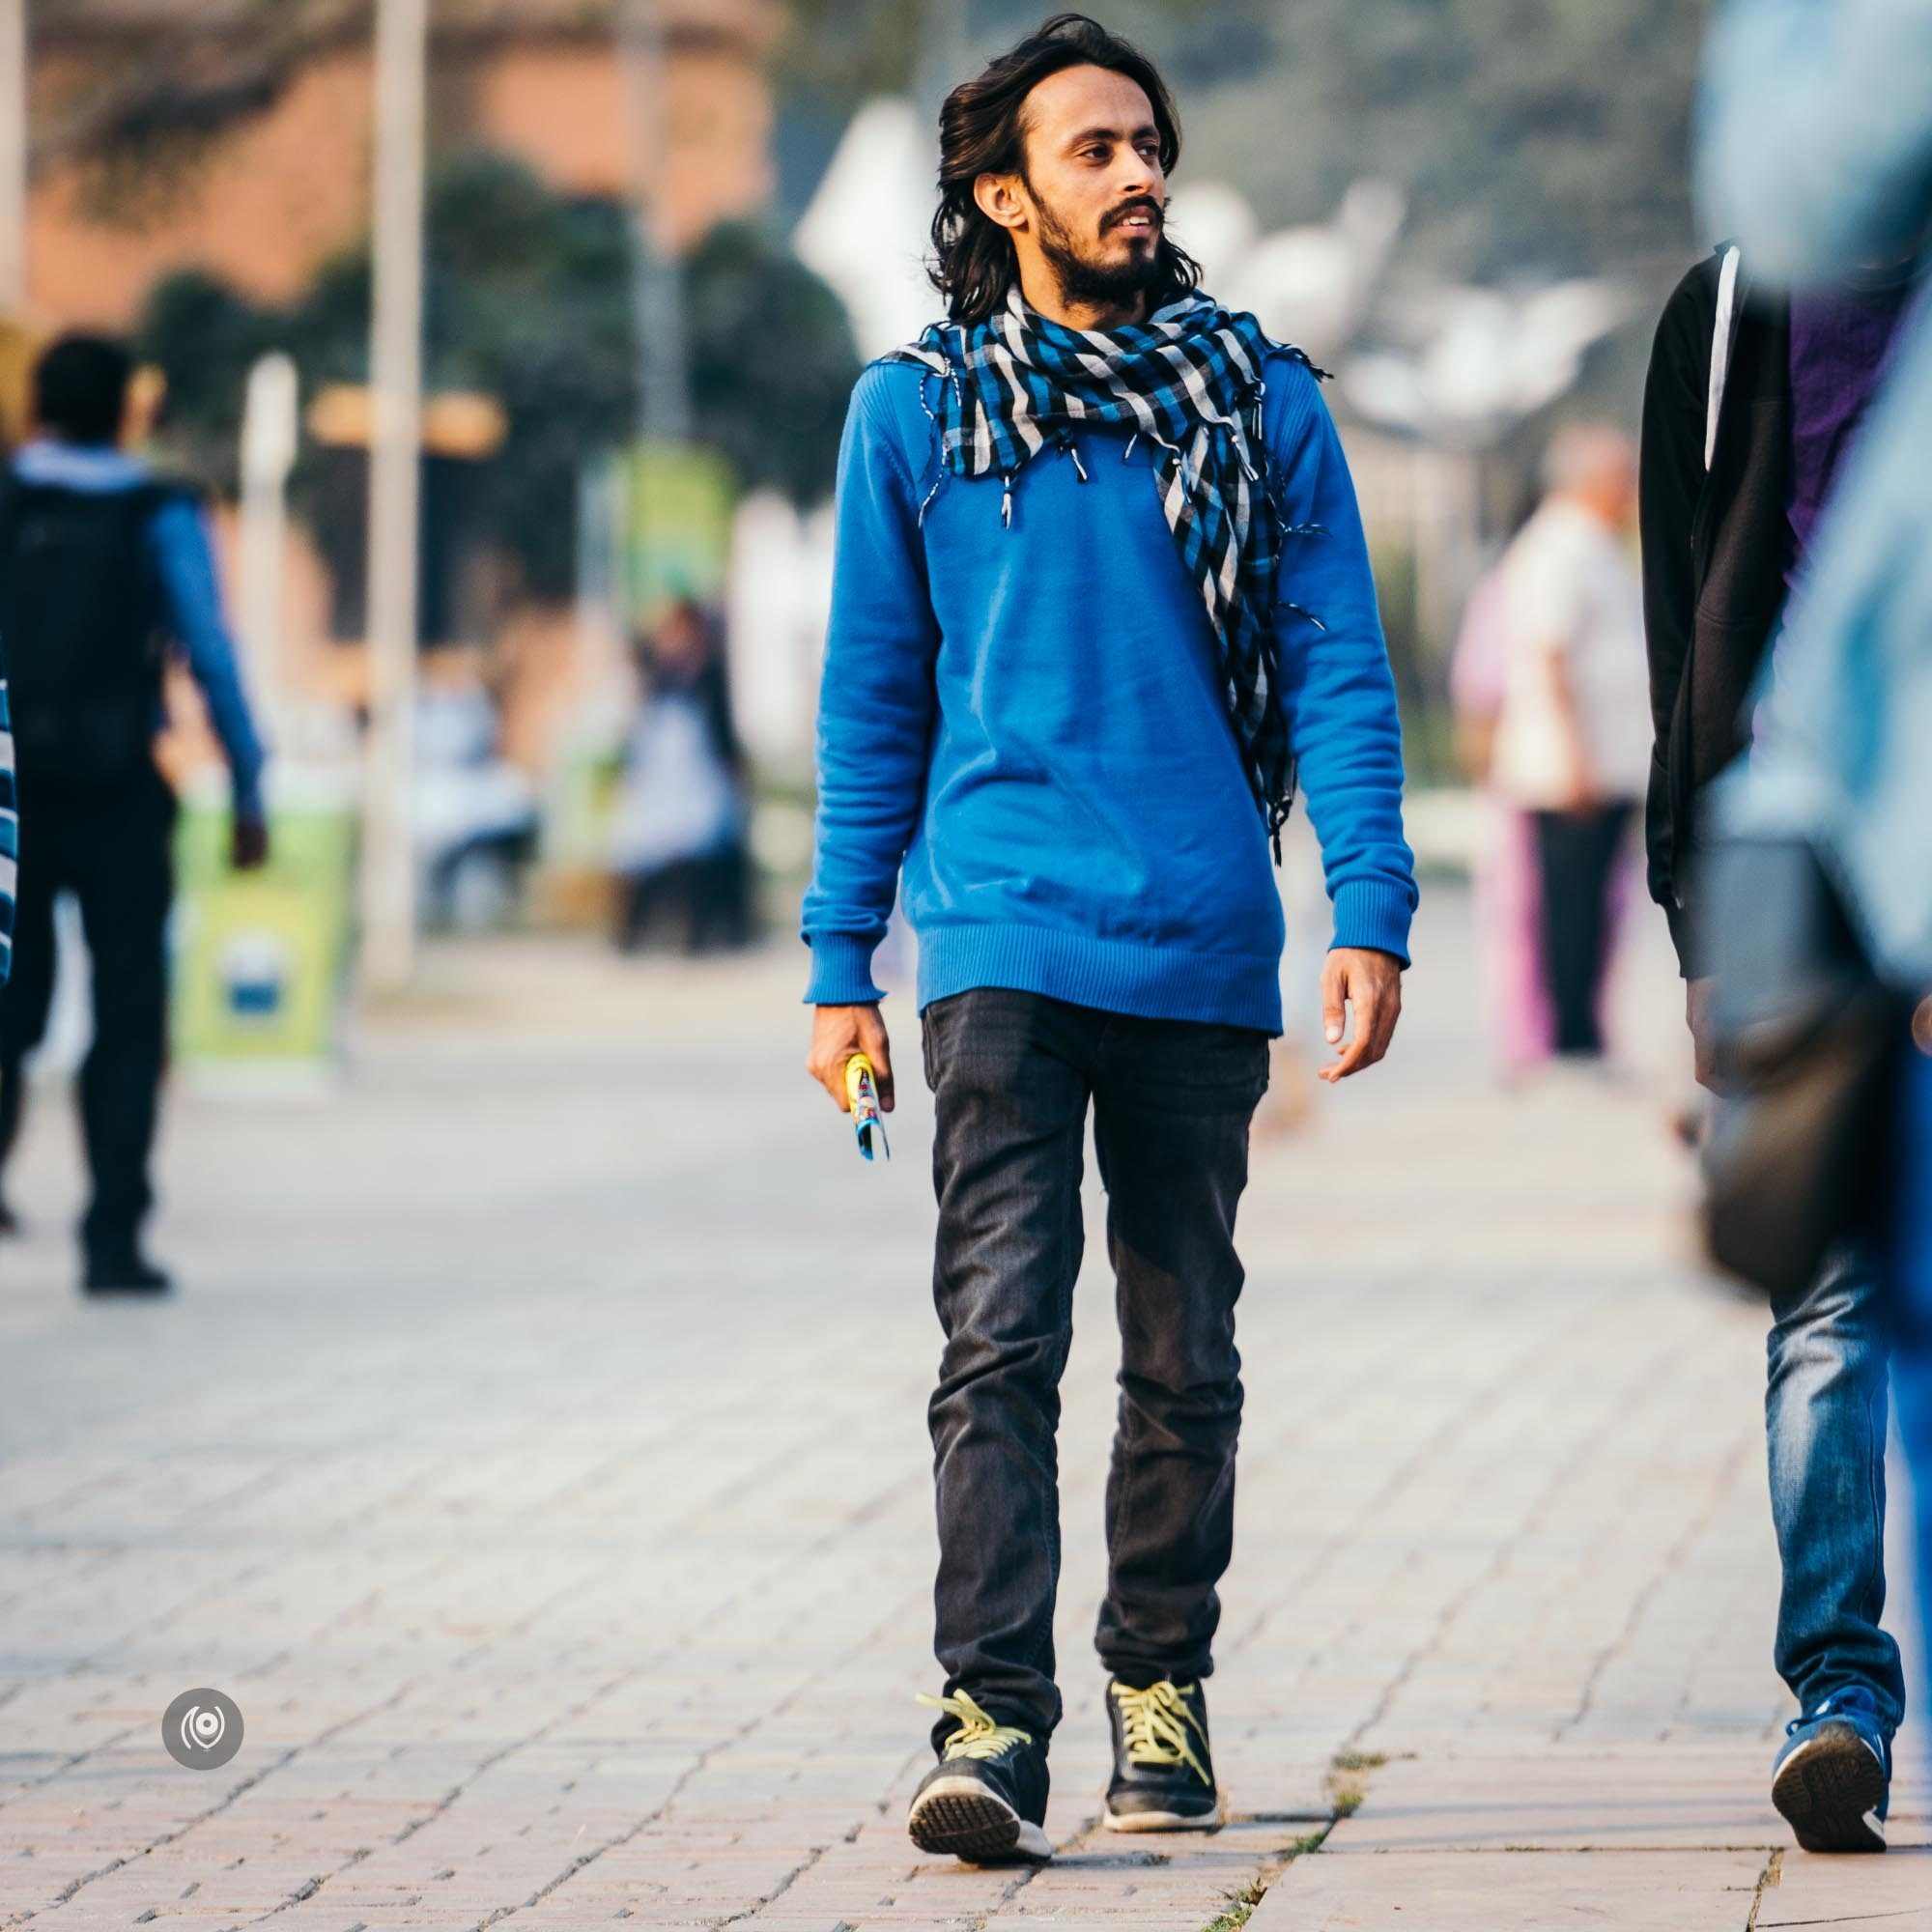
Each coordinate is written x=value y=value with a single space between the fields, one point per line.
x=664 y=384
x=268 y=433
x=395 y=476
x=13 y=157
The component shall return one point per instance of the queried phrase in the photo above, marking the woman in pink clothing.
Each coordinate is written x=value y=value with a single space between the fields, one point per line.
x=1508 y=906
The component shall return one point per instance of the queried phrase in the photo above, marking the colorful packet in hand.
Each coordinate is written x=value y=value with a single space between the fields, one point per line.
x=862 y=1090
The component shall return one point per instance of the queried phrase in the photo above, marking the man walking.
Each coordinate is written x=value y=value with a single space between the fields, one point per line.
x=1100 y=584
x=1572 y=740
x=103 y=568
x=1736 y=468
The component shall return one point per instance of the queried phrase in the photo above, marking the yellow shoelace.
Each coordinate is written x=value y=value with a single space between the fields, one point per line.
x=1156 y=1722
x=977 y=1735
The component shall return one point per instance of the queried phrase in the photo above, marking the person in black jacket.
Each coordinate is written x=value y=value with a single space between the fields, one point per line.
x=105 y=571
x=1751 y=404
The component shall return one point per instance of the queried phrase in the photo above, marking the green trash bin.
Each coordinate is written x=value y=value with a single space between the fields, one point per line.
x=260 y=958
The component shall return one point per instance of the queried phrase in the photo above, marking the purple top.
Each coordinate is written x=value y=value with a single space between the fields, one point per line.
x=1840 y=347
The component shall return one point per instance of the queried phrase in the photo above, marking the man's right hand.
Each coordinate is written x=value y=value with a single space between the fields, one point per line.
x=837 y=1032
x=249 y=845
x=1698 y=1016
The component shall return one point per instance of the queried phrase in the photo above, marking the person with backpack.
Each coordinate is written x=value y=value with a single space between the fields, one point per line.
x=104 y=569
x=9 y=827
x=1755 y=399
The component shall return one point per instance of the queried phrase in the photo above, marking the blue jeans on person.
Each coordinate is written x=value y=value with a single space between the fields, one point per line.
x=1825 y=1414
x=1913 y=1307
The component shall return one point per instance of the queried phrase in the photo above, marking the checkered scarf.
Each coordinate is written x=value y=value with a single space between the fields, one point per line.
x=1189 y=380
x=9 y=836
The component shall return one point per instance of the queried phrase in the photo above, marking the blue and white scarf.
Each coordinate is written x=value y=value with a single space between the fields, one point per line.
x=9 y=836
x=1189 y=380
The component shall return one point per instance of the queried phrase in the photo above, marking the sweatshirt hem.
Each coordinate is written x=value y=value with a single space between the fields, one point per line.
x=1131 y=977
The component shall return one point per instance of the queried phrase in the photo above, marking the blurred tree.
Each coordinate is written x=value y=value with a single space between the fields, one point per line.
x=527 y=297
x=147 y=106
x=1527 y=134
x=1540 y=134
x=772 y=362
x=847 y=51
x=205 y=338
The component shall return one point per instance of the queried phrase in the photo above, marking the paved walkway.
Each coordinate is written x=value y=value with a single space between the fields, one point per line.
x=537 y=1456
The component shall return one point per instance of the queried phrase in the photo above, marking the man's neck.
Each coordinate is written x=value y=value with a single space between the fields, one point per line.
x=1041 y=287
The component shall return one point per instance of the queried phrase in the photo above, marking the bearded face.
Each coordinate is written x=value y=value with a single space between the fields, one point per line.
x=1110 y=261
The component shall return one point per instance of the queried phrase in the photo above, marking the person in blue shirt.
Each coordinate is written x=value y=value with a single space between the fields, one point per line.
x=104 y=571
x=1100 y=588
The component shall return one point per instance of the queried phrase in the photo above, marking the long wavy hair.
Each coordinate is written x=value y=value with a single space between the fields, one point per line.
x=982 y=130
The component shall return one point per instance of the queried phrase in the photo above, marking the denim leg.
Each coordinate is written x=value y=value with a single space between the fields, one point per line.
x=1911 y=1277
x=1171 y=1107
x=1825 y=1417
x=1010 y=1076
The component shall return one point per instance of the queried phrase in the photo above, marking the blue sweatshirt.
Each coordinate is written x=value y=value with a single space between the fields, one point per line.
x=1031 y=722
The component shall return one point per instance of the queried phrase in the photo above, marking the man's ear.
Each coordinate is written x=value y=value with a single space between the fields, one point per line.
x=1000 y=200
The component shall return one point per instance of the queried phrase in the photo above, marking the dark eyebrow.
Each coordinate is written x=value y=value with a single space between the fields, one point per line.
x=1147 y=131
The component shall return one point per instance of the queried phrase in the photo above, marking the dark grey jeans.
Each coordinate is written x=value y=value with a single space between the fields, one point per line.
x=1013 y=1074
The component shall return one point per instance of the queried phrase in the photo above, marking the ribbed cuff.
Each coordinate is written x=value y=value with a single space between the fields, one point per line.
x=1374 y=914
x=841 y=970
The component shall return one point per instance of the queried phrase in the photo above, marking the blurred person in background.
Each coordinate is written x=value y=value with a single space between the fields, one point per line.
x=475 y=813
x=677 y=834
x=1086 y=615
x=9 y=830
x=1754 y=400
x=1571 y=744
x=1816 y=151
x=1508 y=899
x=103 y=569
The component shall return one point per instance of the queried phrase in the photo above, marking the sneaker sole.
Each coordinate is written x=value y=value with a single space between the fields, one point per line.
x=1166 y=1821
x=1828 y=1789
x=961 y=1817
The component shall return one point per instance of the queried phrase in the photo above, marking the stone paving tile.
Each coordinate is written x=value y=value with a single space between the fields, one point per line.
x=1893 y=1893
x=1656 y=1799
x=1523 y=1892
x=537 y=1453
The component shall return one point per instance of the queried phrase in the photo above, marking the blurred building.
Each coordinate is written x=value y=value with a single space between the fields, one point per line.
x=263 y=145
x=236 y=137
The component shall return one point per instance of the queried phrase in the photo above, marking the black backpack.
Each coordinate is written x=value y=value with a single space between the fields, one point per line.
x=81 y=616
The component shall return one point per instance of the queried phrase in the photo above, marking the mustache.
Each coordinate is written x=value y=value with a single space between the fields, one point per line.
x=1143 y=205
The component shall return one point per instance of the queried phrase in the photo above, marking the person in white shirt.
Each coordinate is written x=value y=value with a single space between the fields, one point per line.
x=1573 y=739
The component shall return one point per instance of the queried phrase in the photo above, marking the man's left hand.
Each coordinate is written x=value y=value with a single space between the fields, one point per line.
x=1371 y=984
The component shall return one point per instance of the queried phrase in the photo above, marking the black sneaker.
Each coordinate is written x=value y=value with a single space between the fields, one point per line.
x=986 y=1800
x=123 y=1271
x=1163 y=1774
